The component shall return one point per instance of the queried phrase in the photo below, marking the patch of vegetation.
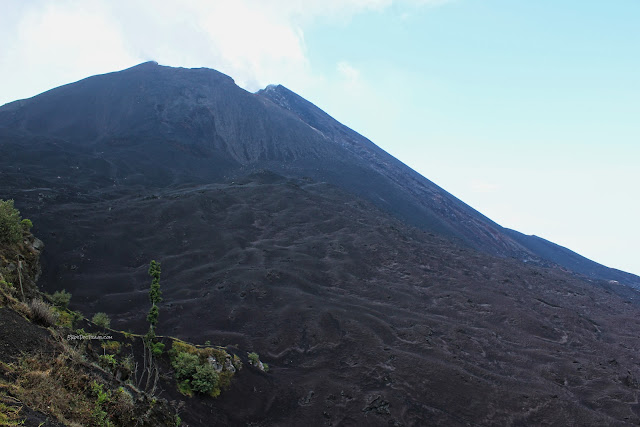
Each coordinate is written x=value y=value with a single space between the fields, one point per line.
x=65 y=320
x=201 y=370
x=108 y=362
x=205 y=380
x=128 y=363
x=59 y=378
x=152 y=348
x=254 y=358
x=65 y=317
x=54 y=387
x=110 y=346
x=101 y=319
x=123 y=397
x=237 y=363
x=156 y=348
x=67 y=382
x=10 y=223
x=60 y=299
x=8 y=294
x=99 y=414
x=65 y=387
x=9 y=411
x=185 y=365
x=184 y=387
x=42 y=313
x=26 y=224
x=155 y=295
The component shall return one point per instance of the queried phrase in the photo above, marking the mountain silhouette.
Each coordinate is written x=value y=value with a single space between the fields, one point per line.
x=195 y=125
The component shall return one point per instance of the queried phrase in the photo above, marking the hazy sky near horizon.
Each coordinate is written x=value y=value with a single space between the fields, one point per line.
x=527 y=111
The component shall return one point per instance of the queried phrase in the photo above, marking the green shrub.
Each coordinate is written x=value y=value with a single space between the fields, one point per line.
x=111 y=347
x=185 y=365
x=108 y=361
x=205 y=380
x=156 y=348
x=128 y=363
x=184 y=387
x=194 y=373
x=10 y=227
x=101 y=319
x=237 y=363
x=10 y=415
x=61 y=298
x=103 y=398
x=254 y=359
x=76 y=315
x=101 y=395
x=26 y=224
x=65 y=319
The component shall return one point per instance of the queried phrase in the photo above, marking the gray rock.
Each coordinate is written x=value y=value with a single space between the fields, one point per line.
x=228 y=365
x=37 y=244
x=214 y=362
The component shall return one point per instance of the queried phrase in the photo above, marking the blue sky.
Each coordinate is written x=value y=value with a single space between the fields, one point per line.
x=527 y=111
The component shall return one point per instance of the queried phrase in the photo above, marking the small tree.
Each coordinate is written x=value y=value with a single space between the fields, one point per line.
x=155 y=295
x=10 y=226
x=205 y=379
x=101 y=319
x=185 y=365
x=151 y=347
x=61 y=298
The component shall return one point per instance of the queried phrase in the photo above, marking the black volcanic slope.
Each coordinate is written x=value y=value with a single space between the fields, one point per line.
x=376 y=297
x=155 y=126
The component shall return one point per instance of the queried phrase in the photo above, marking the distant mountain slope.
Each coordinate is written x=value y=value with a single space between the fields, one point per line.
x=154 y=126
x=571 y=260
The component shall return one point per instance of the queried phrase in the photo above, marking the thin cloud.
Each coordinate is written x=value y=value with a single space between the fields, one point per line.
x=257 y=42
x=348 y=72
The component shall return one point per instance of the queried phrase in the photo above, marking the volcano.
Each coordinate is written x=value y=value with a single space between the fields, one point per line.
x=376 y=297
